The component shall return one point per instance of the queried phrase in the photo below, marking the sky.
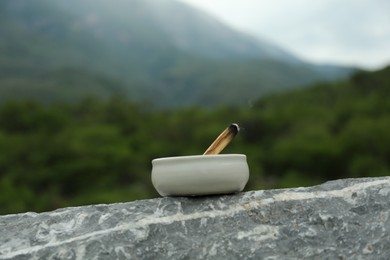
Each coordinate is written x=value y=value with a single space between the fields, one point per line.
x=346 y=32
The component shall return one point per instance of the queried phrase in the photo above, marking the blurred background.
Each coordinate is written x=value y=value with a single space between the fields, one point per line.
x=92 y=90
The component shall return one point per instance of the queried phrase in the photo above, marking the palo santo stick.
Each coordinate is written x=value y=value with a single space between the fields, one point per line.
x=223 y=140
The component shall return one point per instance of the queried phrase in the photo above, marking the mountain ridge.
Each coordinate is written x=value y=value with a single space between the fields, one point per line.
x=172 y=62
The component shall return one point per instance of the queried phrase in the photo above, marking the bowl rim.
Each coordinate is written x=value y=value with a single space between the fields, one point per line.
x=198 y=157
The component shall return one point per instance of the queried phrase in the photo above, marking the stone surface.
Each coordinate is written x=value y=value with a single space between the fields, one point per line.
x=343 y=219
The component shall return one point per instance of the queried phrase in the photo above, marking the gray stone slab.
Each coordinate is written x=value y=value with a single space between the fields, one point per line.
x=343 y=219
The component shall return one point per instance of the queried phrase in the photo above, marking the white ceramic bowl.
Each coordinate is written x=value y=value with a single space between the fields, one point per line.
x=200 y=174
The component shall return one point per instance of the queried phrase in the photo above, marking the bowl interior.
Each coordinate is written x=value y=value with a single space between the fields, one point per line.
x=199 y=159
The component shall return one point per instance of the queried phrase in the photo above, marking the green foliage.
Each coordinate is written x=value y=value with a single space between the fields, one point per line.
x=100 y=151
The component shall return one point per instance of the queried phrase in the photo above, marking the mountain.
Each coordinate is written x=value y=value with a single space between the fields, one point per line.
x=158 y=50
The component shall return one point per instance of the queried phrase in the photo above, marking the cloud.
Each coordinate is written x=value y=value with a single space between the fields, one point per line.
x=355 y=32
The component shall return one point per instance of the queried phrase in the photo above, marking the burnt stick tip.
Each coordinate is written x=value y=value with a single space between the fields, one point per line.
x=223 y=139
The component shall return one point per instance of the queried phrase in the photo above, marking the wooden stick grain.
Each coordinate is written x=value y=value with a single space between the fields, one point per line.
x=223 y=140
